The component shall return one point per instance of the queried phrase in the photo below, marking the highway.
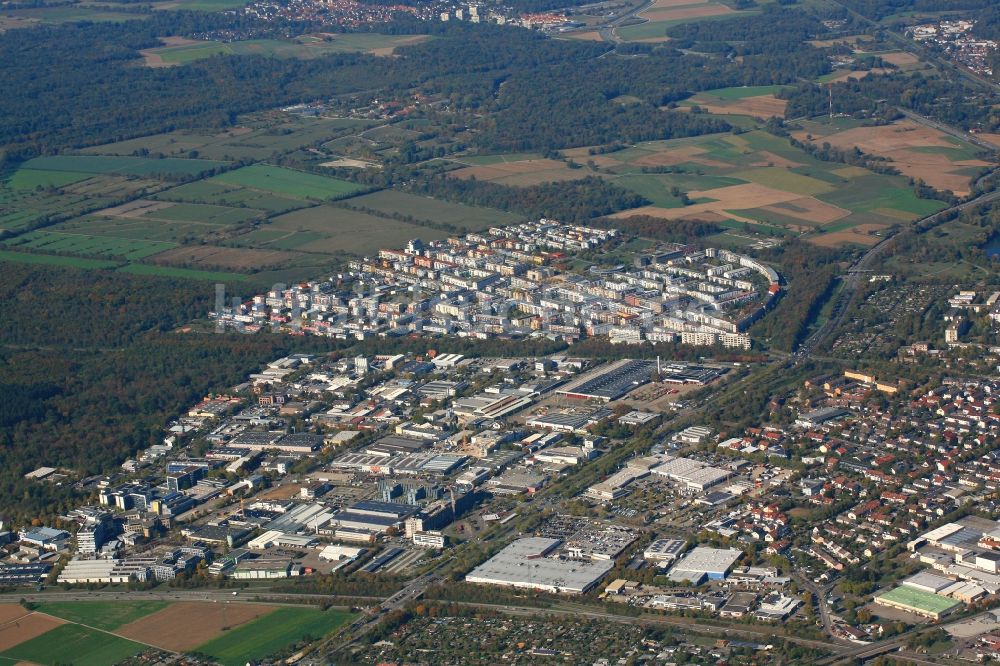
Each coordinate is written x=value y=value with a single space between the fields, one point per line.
x=607 y=31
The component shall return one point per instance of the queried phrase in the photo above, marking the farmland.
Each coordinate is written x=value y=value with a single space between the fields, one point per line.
x=256 y=137
x=518 y=173
x=74 y=643
x=759 y=101
x=180 y=51
x=101 y=614
x=272 y=633
x=762 y=182
x=122 y=165
x=184 y=626
x=401 y=204
x=919 y=152
x=664 y=13
x=101 y=633
x=29 y=196
x=332 y=230
x=751 y=180
x=278 y=180
x=86 y=245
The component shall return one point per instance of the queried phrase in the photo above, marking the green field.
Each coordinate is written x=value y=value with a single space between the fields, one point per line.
x=288 y=182
x=302 y=47
x=872 y=192
x=88 y=245
x=106 y=615
x=275 y=631
x=784 y=179
x=393 y=202
x=652 y=30
x=221 y=194
x=334 y=230
x=202 y=5
x=53 y=260
x=72 y=643
x=253 y=139
x=654 y=187
x=63 y=14
x=183 y=273
x=742 y=92
x=123 y=165
x=204 y=214
x=29 y=179
x=487 y=160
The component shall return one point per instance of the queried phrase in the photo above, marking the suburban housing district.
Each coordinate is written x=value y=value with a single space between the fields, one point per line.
x=518 y=282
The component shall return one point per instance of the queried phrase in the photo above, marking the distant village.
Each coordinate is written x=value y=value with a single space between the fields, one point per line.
x=957 y=41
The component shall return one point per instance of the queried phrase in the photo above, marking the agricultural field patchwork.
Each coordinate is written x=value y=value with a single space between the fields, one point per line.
x=919 y=152
x=256 y=137
x=748 y=179
x=760 y=181
x=758 y=102
x=101 y=633
x=32 y=196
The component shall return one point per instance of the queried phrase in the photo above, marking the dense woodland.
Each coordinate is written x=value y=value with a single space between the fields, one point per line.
x=540 y=93
x=879 y=9
x=91 y=370
x=948 y=100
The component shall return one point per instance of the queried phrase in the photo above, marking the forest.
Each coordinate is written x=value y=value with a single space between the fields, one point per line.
x=951 y=101
x=536 y=92
x=92 y=368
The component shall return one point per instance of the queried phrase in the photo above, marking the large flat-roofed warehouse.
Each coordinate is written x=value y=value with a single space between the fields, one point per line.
x=693 y=474
x=683 y=373
x=524 y=564
x=702 y=563
x=918 y=602
x=610 y=382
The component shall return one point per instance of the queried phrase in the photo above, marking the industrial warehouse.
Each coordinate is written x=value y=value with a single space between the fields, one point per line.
x=526 y=563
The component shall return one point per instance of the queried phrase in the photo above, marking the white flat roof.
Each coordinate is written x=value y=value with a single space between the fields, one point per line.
x=523 y=564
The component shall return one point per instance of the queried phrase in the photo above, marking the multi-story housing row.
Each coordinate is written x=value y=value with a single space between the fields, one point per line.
x=515 y=282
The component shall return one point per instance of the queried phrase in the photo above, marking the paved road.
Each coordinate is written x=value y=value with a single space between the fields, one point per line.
x=607 y=31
